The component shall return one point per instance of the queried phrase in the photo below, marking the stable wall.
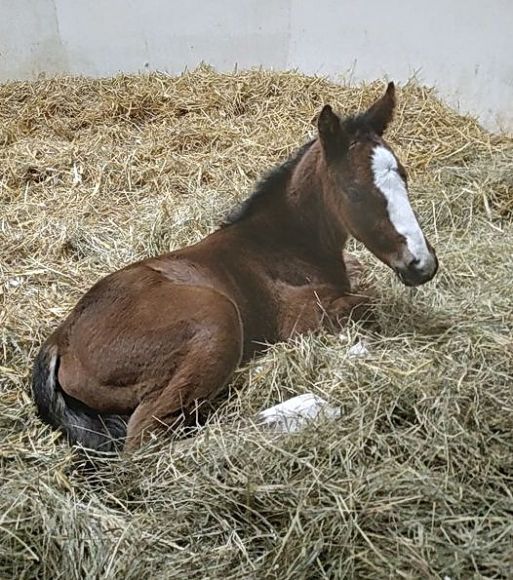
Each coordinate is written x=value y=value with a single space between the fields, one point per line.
x=462 y=47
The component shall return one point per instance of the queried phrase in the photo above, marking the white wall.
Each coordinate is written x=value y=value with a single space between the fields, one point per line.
x=463 y=47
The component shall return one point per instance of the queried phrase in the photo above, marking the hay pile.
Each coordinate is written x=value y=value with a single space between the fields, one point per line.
x=414 y=480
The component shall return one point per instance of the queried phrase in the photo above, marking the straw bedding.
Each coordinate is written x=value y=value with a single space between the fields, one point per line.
x=413 y=480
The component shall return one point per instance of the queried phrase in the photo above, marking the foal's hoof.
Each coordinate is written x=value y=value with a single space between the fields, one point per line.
x=353 y=265
x=352 y=307
x=364 y=309
x=355 y=273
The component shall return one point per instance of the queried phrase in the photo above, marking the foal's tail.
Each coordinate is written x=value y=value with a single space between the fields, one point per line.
x=79 y=423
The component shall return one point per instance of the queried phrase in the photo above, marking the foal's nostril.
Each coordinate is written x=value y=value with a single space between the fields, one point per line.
x=418 y=271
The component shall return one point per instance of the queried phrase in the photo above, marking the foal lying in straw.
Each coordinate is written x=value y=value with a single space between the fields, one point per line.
x=151 y=341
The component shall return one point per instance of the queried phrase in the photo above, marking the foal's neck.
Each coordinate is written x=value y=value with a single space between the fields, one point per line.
x=297 y=211
x=311 y=205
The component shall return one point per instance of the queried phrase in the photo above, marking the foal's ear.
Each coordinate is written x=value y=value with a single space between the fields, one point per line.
x=379 y=115
x=333 y=136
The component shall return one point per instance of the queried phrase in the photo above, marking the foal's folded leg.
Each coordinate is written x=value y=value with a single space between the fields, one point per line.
x=350 y=306
x=210 y=358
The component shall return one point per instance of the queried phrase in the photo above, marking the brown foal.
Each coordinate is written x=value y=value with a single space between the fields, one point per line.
x=151 y=341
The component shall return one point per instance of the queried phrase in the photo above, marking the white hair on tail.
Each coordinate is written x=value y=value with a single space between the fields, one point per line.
x=393 y=187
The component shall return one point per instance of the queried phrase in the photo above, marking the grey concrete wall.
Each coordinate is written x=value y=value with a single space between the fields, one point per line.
x=462 y=47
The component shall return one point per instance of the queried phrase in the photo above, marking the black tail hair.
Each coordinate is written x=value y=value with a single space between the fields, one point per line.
x=79 y=423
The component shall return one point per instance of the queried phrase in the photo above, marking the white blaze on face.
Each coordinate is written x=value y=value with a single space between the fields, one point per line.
x=392 y=186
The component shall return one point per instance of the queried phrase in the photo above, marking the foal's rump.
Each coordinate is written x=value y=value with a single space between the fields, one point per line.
x=123 y=343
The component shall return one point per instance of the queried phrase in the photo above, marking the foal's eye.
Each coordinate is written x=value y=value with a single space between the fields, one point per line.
x=354 y=194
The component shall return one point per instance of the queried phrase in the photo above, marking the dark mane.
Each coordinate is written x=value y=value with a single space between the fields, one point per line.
x=274 y=181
